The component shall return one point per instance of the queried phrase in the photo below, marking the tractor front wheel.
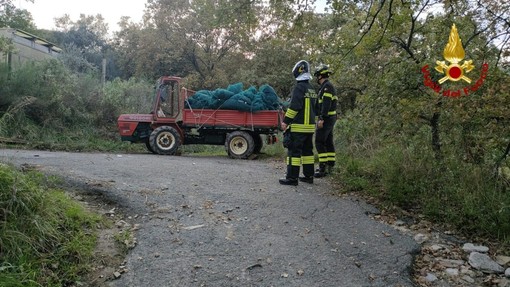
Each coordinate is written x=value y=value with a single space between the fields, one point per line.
x=165 y=140
x=148 y=145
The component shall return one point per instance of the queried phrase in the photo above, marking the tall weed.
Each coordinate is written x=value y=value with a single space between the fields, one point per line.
x=46 y=239
x=402 y=170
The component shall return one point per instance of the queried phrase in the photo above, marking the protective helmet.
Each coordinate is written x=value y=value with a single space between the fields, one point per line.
x=322 y=70
x=301 y=71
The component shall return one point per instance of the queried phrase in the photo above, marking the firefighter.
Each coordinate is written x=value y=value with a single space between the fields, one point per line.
x=300 y=119
x=326 y=122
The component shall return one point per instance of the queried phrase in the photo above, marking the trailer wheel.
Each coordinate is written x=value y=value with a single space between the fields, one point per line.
x=259 y=143
x=239 y=145
x=148 y=145
x=165 y=140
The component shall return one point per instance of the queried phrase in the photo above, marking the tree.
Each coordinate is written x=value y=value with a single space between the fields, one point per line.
x=380 y=47
x=12 y=17
x=85 y=43
x=146 y=52
x=189 y=38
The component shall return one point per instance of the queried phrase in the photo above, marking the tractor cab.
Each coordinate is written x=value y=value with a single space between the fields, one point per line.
x=167 y=103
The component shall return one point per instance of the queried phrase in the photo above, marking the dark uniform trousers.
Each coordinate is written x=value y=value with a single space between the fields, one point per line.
x=300 y=153
x=324 y=142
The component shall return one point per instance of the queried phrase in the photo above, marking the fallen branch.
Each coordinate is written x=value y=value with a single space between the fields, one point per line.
x=12 y=141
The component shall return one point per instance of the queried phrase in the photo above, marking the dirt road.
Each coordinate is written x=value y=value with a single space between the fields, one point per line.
x=214 y=221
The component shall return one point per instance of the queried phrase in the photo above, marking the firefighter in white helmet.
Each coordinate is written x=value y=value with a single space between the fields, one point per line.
x=300 y=119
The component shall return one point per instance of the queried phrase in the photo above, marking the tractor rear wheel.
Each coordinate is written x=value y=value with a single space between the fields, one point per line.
x=239 y=145
x=165 y=140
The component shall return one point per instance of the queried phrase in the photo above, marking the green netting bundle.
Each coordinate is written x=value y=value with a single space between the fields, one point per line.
x=235 y=98
x=201 y=100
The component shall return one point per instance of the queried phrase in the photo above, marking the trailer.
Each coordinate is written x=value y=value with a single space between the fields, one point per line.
x=171 y=123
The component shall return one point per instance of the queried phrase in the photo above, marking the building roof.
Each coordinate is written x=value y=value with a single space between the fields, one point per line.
x=32 y=37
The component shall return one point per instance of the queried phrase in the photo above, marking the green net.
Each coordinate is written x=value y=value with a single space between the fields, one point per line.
x=234 y=97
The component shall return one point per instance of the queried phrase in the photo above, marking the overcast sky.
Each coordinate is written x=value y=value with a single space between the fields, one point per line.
x=44 y=11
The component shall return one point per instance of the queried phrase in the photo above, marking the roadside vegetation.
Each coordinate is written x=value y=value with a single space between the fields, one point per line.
x=471 y=199
x=46 y=238
x=445 y=158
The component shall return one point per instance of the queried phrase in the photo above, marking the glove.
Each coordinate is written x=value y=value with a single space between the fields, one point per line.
x=286 y=138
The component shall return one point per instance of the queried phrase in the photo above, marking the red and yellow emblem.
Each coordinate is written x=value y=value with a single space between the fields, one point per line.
x=454 y=54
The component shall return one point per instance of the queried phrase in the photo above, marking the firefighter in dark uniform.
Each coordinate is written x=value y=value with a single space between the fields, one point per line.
x=327 y=118
x=300 y=119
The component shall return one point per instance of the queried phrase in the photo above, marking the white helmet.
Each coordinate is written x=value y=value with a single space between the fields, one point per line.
x=301 y=71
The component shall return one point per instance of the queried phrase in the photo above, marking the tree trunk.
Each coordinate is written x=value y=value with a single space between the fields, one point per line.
x=503 y=157
x=436 y=140
x=434 y=125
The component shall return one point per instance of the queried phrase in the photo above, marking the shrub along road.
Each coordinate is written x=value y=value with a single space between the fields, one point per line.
x=214 y=221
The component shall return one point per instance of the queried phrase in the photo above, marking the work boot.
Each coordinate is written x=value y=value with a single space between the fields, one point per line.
x=329 y=169
x=307 y=179
x=289 y=181
x=321 y=171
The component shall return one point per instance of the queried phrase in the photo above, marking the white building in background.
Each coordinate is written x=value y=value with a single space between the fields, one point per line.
x=27 y=47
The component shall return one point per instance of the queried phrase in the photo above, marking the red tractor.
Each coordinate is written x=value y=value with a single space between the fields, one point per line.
x=172 y=124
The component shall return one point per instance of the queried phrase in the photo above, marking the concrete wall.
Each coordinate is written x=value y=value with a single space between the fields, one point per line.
x=28 y=47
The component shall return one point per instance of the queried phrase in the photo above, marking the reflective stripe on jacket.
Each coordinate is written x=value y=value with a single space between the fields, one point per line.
x=327 y=100
x=302 y=109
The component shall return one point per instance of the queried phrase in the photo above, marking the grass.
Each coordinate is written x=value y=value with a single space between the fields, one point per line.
x=268 y=151
x=402 y=172
x=464 y=197
x=125 y=240
x=93 y=140
x=46 y=238
x=203 y=150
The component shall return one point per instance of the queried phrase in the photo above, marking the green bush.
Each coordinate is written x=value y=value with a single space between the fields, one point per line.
x=60 y=110
x=402 y=170
x=128 y=97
